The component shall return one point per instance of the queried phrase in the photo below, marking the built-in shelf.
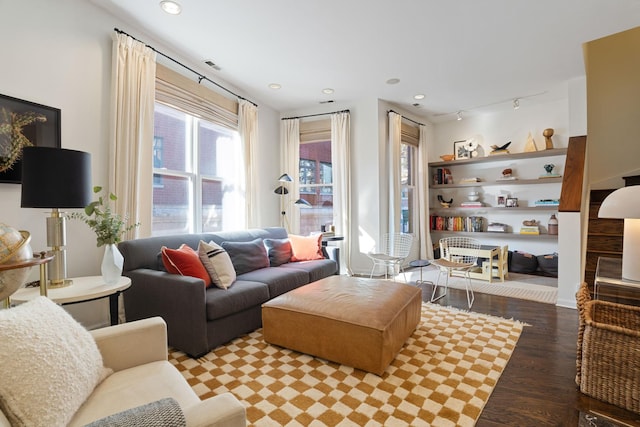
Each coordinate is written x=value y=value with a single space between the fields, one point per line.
x=501 y=183
x=495 y=209
x=503 y=157
x=486 y=234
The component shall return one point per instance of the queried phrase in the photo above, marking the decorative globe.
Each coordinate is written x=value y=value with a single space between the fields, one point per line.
x=14 y=248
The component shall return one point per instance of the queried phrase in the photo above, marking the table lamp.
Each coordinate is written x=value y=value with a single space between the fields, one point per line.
x=625 y=203
x=56 y=178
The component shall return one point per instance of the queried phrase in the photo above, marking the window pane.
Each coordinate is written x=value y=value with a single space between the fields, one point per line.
x=406 y=164
x=212 y=195
x=171 y=205
x=321 y=211
x=209 y=138
x=406 y=219
x=198 y=175
x=172 y=127
x=316 y=169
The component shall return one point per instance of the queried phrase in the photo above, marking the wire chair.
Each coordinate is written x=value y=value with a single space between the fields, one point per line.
x=457 y=254
x=394 y=249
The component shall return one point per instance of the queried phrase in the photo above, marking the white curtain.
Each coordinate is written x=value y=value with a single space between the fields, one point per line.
x=290 y=161
x=393 y=156
x=131 y=139
x=341 y=161
x=424 y=231
x=248 y=129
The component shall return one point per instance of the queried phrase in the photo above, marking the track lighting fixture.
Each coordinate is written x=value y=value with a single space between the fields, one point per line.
x=459 y=115
x=516 y=104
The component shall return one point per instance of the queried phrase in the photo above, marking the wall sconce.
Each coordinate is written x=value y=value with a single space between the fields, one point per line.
x=625 y=203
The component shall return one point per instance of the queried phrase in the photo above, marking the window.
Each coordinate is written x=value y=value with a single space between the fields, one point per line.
x=408 y=187
x=198 y=175
x=316 y=185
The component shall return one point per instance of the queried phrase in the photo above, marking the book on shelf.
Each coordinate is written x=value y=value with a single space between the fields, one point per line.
x=443 y=176
x=507 y=178
x=471 y=204
x=529 y=229
x=472 y=179
x=547 y=202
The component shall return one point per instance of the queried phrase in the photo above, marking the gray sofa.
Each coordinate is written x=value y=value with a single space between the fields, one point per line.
x=198 y=318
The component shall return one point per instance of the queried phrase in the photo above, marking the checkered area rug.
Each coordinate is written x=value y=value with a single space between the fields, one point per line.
x=443 y=376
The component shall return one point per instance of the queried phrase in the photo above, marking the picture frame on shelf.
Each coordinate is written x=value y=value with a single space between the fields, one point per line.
x=28 y=124
x=460 y=150
x=512 y=202
x=501 y=201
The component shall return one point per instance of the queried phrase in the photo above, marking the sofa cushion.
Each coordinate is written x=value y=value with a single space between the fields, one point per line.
x=133 y=387
x=279 y=251
x=317 y=269
x=185 y=262
x=218 y=264
x=50 y=364
x=247 y=256
x=241 y=296
x=164 y=412
x=306 y=248
x=279 y=280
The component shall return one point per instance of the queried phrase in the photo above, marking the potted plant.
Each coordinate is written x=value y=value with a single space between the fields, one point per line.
x=109 y=228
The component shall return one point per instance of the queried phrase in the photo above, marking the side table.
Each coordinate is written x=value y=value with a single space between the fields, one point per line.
x=421 y=263
x=609 y=274
x=83 y=289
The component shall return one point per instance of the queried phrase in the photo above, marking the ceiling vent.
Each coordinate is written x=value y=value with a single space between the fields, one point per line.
x=212 y=65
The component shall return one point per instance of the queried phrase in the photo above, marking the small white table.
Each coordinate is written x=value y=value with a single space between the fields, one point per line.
x=82 y=289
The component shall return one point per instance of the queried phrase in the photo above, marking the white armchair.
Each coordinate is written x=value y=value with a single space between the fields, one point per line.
x=137 y=353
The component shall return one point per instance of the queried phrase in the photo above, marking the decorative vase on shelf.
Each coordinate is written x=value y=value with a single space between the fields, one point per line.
x=552 y=226
x=112 y=263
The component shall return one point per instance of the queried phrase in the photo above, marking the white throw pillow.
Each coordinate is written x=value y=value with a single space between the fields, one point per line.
x=50 y=364
x=218 y=263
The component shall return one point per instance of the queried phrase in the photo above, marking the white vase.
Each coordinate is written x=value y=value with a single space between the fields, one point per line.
x=112 y=263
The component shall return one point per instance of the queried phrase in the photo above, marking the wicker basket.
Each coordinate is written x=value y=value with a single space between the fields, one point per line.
x=610 y=369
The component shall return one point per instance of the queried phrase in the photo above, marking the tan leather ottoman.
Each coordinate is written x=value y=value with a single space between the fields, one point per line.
x=361 y=323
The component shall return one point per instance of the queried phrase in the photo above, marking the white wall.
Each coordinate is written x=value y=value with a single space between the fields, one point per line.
x=59 y=54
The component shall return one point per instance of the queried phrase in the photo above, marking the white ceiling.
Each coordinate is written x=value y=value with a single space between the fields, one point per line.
x=467 y=55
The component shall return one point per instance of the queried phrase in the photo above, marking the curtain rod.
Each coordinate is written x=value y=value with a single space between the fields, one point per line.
x=406 y=118
x=200 y=76
x=314 y=115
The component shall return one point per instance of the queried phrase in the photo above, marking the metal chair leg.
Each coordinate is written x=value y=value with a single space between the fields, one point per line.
x=469 y=289
x=435 y=287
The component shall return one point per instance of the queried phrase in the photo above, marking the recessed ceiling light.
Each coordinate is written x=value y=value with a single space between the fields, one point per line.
x=327 y=91
x=393 y=81
x=418 y=96
x=274 y=85
x=171 y=7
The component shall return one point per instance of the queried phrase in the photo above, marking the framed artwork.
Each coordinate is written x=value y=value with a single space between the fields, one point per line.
x=501 y=201
x=24 y=123
x=460 y=150
x=512 y=202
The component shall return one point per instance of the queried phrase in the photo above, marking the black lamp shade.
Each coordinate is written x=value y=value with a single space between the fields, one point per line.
x=55 y=178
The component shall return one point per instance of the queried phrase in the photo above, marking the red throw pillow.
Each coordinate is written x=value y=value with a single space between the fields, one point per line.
x=185 y=262
x=306 y=248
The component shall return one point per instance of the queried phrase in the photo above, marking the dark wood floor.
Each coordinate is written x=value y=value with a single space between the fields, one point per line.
x=537 y=387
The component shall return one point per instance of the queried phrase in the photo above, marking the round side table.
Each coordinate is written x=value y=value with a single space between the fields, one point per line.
x=421 y=263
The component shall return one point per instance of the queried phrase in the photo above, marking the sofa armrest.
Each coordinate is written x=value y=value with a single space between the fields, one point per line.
x=179 y=300
x=223 y=410
x=333 y=253
x=132 y=344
